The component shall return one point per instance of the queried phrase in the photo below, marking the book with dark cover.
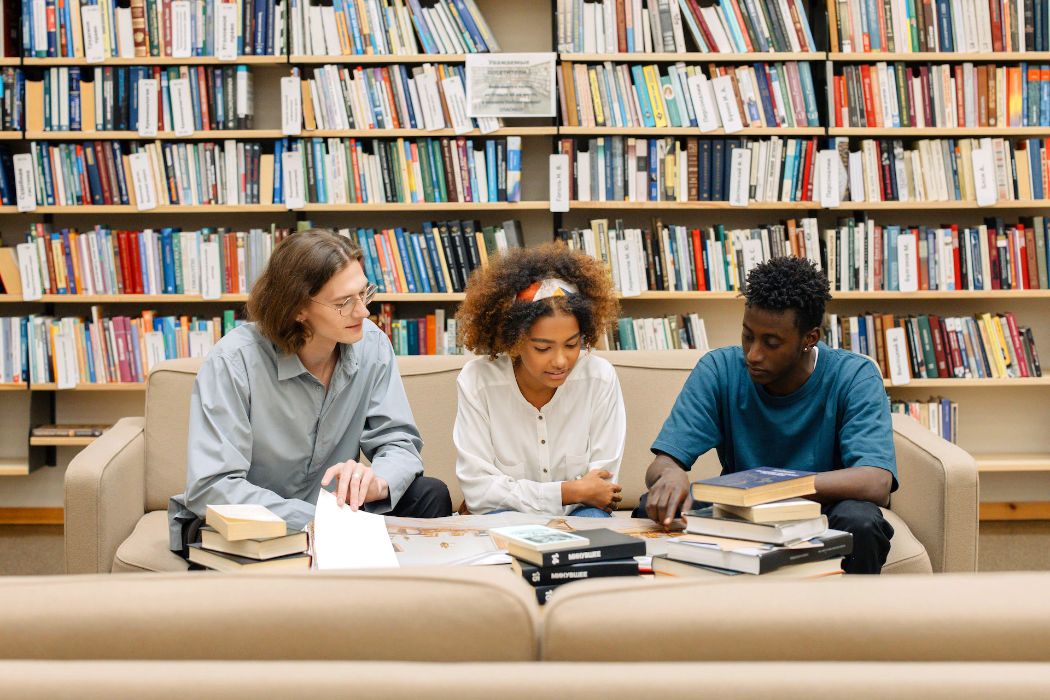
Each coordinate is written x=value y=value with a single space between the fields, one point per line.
x=221 y=561
x=538 y=576
x=544 y=593
x=604 y=545
x=753 y=486
x=757 y=558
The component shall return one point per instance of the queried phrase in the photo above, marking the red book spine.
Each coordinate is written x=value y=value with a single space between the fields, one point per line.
x=995 y=11
x=1015 y=338
x=230 y=254
x=956 y=260
x=937 y=332
x=1031 y=258
x=1022 y=261
x=955 y=353
x=698 y=260
x=805 y=193
x=993 y=259
x=135 y=246
x=125 y=264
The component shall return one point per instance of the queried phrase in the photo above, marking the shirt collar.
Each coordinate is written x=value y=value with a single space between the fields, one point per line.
x=289 y=366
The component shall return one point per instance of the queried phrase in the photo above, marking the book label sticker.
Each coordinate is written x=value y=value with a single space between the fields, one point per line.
x=856 y=177
x=703 y=98
x=181 y=29
x=559 y=182
x=91 y=23
x=984 y=175
x=66 y=361
x=211 y=272
x=907 y=263
x=148 y=107
x=726 y=101
x=292 y=164
x=897 y=356
x=291 y=106
x=828 y=178
x=154 y=349
x=25 y=182
x=142 y=180
x=29 y=268
x=226 y=31
x=457 y=105
x=244 y=92
x=510 y=84
x=740 y=177
x=181 y=106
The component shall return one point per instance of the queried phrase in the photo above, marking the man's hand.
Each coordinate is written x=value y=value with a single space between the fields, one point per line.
x=357 y=484
x=593 y=489
x=668 y=492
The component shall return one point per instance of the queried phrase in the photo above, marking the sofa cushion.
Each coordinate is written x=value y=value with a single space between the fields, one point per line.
x=400 y=680
x=949 y=617
x=907 y=555
x=168 y=391
x=438 y=614
x=146 y=549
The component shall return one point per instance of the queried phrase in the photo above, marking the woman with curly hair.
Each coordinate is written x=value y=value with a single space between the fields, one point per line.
x=540 y=425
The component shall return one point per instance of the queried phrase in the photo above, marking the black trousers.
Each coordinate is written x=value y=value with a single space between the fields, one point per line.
x=426 y=497
x=862 y=519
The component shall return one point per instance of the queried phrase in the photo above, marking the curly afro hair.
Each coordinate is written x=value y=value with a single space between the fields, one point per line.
x=789 y=283
x=493 y=321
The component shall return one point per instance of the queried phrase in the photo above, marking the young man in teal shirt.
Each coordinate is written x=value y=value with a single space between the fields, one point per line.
x=785 y=399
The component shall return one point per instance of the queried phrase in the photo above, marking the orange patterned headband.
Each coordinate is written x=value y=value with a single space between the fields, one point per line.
x=551 y=287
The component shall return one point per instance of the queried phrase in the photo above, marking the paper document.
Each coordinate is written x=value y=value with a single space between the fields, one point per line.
x=345 y=539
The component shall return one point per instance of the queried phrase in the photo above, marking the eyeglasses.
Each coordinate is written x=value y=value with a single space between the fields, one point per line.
x=348 y=306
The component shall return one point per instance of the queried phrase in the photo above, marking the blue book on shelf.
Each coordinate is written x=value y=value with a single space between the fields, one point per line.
x=420 y=260
x=435 y=262
x=44 y=166
x=809 y=94
x=1044 y=98
x=411 y=261
x=872 y=19
x=892 y=268
x=654 y=184
x=279 y=148
x=735 y=32
x=421 y=28
x=85 y=339
x=763 y=93
x=945 y=33
x=259 y=40
x=355 y=25
x=168 y=258
x=674 y=117
x=490 y=167
x=67 y=251
x=74 y=98
x=367 y=254
x=973 y=240
x=373 y=248
x=405 y=77
x=406 y=260
x=471 y=26
x=643 y=96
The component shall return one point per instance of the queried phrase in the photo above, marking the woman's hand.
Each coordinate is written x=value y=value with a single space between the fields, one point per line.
x=357 y=484
x=593 y=489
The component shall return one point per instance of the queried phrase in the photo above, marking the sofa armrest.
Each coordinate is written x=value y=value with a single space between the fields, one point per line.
x=104 y=497
x=938 y=495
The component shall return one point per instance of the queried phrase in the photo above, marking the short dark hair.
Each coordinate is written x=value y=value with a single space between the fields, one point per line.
x=786 y=283
x=492 y=320
x=300 y=266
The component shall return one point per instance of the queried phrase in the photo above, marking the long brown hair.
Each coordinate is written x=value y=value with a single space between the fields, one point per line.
x=300 y=266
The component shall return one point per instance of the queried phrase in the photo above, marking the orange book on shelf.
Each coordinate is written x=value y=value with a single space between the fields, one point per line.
x=395 y=256
x=431 y=344
x=79 y=266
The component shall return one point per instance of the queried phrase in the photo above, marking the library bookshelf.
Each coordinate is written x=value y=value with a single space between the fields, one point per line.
x=531 y=26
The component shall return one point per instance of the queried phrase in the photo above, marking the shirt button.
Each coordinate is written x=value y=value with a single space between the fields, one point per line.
x=540 y=417
x=543 y=442
x=545 y=471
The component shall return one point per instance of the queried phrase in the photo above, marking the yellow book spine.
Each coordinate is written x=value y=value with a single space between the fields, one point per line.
x=992 y=347
x=656 y=98
x=596 y=96
x=395 y=253
x=444 y=263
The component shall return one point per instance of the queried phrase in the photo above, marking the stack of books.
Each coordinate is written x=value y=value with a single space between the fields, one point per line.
x=548 y=558
x=757 y=524
x=249 y=537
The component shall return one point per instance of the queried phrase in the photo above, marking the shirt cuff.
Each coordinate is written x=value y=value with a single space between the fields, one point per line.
x=551 y=495
x=674 y=452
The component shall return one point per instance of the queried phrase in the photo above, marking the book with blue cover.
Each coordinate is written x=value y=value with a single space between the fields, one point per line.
x=754 y=486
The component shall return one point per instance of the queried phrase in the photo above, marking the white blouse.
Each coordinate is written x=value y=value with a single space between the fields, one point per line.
x=512 y=456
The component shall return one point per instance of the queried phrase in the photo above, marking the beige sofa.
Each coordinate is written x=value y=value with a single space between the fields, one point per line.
x=117 y=489
x=405 y=634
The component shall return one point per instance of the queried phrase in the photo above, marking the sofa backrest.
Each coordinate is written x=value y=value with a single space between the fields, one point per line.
x=421 y=614
x=168 y=391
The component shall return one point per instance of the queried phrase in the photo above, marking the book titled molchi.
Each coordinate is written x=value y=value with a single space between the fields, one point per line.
x=538 y=576
x=604 y=545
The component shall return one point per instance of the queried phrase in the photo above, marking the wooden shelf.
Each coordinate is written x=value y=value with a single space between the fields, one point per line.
x=114 y=386
x=14 y=387
x=32 y=516
x=6 y=61
x=421 y=133
x=431 y=206
x=939 y=57
x=940 y=132
x=938 y=206
x=719 y=206
x=1012 y=462
x=11 y=136
x=969 y=383
x=374 y=58
x=691 y=56
x=139 y=298
x=690 y=131
x=164 y=209
x=160 y=61
x=1022 y=510
x=259 y=134
x=61 y=441
x=963 y=294
x=14 y=467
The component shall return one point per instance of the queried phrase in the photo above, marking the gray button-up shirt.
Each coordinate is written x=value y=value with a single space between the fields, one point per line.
x=263 y=430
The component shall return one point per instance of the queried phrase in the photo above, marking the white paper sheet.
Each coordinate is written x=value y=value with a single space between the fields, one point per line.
x=346 y=539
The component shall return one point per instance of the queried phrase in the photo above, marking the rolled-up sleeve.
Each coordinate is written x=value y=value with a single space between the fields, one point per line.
x=485 y=487
x=390 y=439
x=219 y=453
x=608 y=428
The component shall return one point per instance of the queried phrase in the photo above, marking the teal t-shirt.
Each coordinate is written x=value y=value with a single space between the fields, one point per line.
x=839 y=418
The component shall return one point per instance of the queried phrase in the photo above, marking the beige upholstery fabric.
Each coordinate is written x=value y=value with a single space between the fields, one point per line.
x=250 y=680
x=952 y=617
x=411 y=615
x=167 y=415
x=907 y=555
x=938 y=495
x=103 y=496
x=147 y=547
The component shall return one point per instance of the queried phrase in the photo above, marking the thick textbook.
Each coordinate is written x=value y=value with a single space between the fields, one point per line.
x=604 y=545
x=757 y=558
x=750 y=487
x=244 y=521
x=220 y=561
x=709 y=521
